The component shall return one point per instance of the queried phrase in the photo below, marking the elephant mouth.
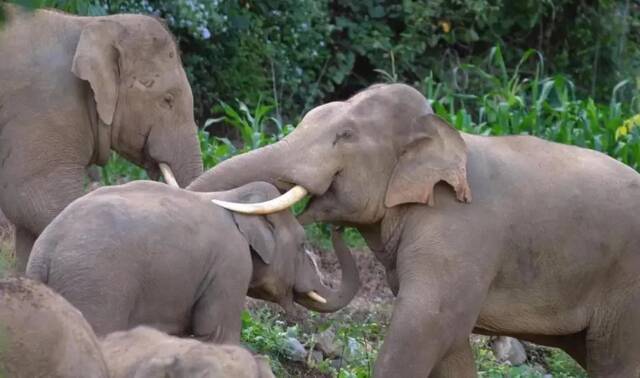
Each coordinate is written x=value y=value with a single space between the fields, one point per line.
x=153 y=171
x=313 y=191
x=313 y=206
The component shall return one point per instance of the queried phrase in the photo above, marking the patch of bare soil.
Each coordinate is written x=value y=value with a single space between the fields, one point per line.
x=374 y=293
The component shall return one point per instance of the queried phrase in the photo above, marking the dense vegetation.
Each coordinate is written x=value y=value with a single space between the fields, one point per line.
x=558 y=69
x=295 y=54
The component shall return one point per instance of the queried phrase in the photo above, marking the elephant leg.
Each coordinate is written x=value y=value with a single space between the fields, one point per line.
x=36 y=202
x=436 y=309
x=613 y=344
x=217 y=313
x=24 y=244
x=458 y=363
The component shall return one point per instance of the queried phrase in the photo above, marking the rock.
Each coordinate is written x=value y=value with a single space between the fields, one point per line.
x=539 y=369
x=326 y=343
x=508 y=349
x=295 y=350
x=93 y=185
x=337 y=363
x=316 y=357
x=94 y=173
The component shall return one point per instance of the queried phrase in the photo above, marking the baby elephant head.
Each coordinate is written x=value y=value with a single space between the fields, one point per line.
x=144 y=352
x=283 y=270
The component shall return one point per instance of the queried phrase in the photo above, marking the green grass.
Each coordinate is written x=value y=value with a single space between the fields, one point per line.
x=553 y=361
x=546 y=106
x=361 y=337
x=266 y=334
x=7 y=259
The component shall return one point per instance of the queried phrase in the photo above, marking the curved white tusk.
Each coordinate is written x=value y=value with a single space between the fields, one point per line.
x=169 y=178
x=316 y=297
x=280 y=203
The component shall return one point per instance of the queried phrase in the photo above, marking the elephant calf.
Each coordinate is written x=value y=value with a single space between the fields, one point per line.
x=146 y=253
x=147 y=352
x=42 y=335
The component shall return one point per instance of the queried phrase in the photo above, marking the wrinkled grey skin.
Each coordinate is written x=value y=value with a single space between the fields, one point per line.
x=546 y=250
x=145 y=352
x=73 y=89
x=42 y=335
x=145 y=253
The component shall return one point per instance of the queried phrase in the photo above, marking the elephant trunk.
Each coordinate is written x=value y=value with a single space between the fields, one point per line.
x=180 y=151
x=349 y=283
x=263 y=164
x=188 y=166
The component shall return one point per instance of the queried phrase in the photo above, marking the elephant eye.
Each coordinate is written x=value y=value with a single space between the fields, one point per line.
x=148 y=83
x=344 y=135
x=167 y=100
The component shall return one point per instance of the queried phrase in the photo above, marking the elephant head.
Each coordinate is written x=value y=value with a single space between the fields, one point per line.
x=381 y=148
x=283 y=270
x=146 y=352
x=142 y=99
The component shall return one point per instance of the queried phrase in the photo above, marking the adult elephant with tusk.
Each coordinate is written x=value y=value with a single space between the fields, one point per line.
x=547 y=251
x=72 y=90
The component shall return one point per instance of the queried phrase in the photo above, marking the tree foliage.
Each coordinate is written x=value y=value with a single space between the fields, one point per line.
x=295 y=54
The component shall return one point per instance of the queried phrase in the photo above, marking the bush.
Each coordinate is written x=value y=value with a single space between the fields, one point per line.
x=547 y=107
x=293 y=55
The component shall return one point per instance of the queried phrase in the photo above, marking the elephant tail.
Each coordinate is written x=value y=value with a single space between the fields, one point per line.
x=38 y=266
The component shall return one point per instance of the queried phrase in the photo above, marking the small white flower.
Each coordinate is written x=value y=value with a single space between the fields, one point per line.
x=204 y=32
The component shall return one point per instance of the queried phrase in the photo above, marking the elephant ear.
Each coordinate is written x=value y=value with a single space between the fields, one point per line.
x=433 y=151
x=260 y=234
x=96 y=61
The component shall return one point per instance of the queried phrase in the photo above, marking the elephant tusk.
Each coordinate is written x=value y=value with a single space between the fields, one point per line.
x=169 y=178
x=316 y=297
x=280 y=203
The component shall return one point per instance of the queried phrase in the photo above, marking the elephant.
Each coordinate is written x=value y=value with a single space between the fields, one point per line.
x=42 y=335
x=146 y=253
x=545 y=251
x=75 y=88
x=145 y=352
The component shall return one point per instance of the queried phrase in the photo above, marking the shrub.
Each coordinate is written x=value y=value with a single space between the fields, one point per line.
x=294 y=55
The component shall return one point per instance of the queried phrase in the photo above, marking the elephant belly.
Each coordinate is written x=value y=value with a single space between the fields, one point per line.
x=167 y=317
x=502 y=315
x=164 y=307
x=552 y=283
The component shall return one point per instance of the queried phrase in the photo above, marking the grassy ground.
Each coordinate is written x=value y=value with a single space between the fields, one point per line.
x=360 y=335
x=6 y=249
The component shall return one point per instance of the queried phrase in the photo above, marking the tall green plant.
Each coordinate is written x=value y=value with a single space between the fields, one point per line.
x=545 y=106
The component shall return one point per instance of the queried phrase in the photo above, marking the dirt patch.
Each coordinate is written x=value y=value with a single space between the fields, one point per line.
x=299 y=369
x=374 y=294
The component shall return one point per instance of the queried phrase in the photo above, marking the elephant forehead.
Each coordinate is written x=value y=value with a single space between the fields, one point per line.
x=380 y=105
x=324 y=115
x=391 y=95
